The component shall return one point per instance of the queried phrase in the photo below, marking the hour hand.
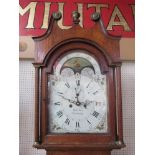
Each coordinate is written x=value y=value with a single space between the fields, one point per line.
x=72 y=101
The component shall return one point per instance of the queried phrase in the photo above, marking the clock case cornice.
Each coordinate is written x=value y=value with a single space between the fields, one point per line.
x=96 y=36
x=48 y=48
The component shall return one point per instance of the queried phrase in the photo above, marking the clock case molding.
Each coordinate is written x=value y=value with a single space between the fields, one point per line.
x=105 y=48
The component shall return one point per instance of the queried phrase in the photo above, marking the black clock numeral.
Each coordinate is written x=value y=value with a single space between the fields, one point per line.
x=89 y=122
x=77 y=124
x=57 y=103
x=67 y=121
x=59 y=114
x=95 y=114
x=67 y=85
x=88 y=84
x=78 y=82
x=94 y=93
x=60 y=93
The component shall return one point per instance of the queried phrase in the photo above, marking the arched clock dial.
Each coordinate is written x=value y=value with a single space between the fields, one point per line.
x=78 y=102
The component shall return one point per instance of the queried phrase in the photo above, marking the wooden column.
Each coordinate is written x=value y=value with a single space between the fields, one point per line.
x=119 y=122
x=36 y=136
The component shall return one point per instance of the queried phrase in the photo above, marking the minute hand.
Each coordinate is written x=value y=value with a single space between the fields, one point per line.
x=71 y=101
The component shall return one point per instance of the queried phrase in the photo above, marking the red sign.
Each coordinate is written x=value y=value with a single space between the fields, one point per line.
x=117 y=15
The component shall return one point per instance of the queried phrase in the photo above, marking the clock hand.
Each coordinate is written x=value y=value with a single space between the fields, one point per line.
x=79 y=102
x=77 y=95
x=71 y=101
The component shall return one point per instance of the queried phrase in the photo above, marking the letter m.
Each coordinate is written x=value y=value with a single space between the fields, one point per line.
x=31 y=8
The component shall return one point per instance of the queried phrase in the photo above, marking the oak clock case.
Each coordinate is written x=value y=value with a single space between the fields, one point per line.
x=78 y=108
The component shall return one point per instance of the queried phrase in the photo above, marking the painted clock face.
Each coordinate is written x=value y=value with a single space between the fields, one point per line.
x=77 y=96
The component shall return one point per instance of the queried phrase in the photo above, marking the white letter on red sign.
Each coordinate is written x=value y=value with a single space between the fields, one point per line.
x=31 y=7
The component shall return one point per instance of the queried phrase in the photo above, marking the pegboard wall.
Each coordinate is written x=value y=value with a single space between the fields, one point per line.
x=26 y=109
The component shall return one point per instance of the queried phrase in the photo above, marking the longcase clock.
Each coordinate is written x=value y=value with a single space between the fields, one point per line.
x=78 y=109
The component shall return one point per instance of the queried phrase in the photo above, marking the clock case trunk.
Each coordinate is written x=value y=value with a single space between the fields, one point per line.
x=105 y=48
